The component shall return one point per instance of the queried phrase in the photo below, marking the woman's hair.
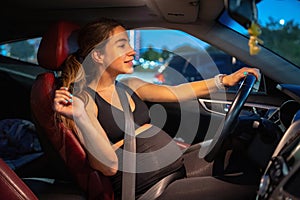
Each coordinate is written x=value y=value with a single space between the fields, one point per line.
x=78 y=69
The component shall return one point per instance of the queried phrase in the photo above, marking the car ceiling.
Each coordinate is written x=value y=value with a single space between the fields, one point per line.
x=31 y=17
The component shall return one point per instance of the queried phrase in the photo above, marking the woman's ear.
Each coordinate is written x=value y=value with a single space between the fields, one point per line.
x=97 y=56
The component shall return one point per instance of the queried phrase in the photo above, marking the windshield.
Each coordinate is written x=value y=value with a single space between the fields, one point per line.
x=279 y=21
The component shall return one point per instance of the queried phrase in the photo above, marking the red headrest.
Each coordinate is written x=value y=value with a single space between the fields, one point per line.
x=57 y=43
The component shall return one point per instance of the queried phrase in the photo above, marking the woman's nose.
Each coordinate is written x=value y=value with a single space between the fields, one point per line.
x=131 y=52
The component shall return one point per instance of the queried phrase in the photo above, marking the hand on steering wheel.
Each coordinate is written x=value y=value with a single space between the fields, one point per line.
x=231 y=117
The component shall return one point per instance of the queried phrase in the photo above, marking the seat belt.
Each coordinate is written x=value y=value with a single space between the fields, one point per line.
x=129 y=157
x=129 y=150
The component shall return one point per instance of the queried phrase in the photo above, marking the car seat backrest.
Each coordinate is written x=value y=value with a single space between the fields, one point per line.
x=11 y=186
x=59 y=142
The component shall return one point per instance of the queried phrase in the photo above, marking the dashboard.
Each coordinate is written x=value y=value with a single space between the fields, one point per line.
x=282 y=116
x=281 y=178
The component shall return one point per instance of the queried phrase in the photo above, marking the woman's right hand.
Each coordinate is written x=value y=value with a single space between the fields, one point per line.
x=67 y=105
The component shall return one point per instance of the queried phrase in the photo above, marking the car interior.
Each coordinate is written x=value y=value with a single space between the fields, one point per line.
x=252 y=139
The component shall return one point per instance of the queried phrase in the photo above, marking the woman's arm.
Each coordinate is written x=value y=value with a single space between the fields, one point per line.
x=163 y=93
x=90 y=133
x=101 y=154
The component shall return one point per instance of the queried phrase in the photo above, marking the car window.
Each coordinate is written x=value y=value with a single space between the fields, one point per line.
x=173 y=57
x=280 y=27
x=24 y=50
x=158 y=58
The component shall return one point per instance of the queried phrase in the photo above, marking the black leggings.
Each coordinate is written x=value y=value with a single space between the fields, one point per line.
x=207 y=187
x=200 y=184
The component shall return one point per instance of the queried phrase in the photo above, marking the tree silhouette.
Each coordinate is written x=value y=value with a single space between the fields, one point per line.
x=283 y=39
x=165 y=54
x=151 y=54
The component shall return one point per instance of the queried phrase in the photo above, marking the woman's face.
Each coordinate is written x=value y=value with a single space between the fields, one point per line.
x=118 y=55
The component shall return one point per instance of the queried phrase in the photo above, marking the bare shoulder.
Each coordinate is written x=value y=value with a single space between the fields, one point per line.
x=145 y=90
x=134 y=83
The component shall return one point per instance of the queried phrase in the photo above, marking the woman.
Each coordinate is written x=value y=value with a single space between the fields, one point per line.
x=88 y=103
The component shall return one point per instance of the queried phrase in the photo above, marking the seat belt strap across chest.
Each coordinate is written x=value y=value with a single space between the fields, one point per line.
x=129 y=149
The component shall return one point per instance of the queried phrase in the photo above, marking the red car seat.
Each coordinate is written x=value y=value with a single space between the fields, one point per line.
x=60 y=144
x=11 y=186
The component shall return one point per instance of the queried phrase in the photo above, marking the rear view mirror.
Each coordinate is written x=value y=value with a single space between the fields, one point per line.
x=244 y=12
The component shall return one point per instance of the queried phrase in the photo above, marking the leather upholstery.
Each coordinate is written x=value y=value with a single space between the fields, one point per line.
x=11 y=186
x=55 y=46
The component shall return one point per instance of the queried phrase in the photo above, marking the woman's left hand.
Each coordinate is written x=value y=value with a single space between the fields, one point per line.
x=234 y=78
x=66 y=104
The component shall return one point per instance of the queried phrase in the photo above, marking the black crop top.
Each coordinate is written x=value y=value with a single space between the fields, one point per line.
x=150 y=141
x=112 y=119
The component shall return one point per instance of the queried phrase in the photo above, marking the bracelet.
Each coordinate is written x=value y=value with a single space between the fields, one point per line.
x=219 y=81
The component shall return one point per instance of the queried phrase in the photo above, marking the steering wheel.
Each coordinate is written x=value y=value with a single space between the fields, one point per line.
x=231 y=117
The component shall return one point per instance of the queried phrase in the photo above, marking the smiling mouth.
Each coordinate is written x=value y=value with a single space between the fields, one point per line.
x=128 y=61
